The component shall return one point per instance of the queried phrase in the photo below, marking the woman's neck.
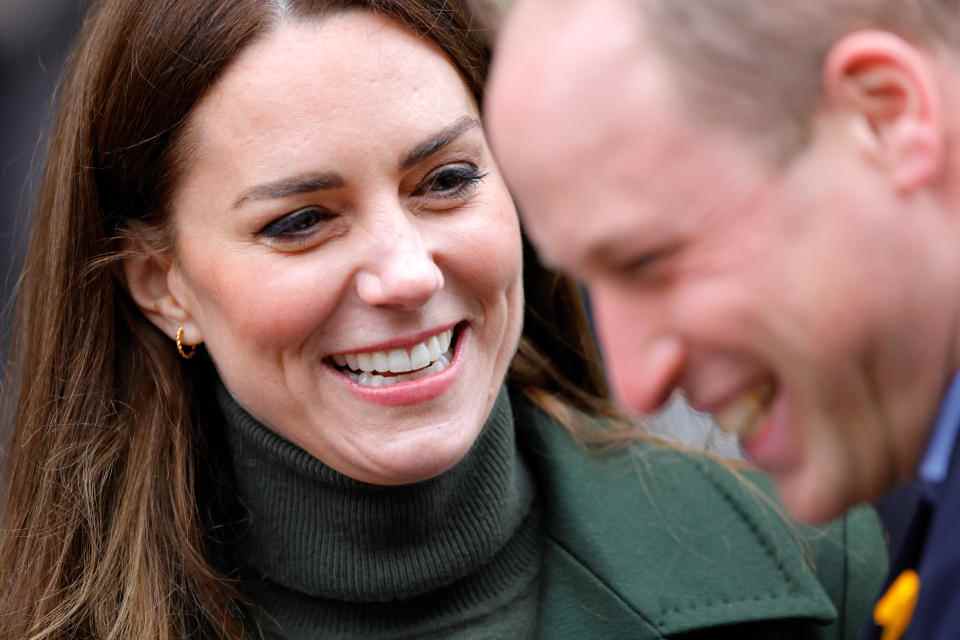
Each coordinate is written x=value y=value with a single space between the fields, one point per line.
x=317 y=532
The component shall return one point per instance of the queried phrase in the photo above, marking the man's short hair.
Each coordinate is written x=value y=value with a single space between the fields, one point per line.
x=758 y=65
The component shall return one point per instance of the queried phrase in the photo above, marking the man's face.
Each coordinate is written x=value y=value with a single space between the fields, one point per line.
x=793 y=302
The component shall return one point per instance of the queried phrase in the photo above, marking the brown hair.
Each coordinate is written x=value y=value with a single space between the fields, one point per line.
x=745 y=63
x=111 y=476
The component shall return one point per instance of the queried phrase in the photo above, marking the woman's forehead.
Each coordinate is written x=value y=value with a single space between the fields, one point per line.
x=326 y=82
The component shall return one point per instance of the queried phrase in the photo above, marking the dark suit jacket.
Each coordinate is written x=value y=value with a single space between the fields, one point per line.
x=931 y=546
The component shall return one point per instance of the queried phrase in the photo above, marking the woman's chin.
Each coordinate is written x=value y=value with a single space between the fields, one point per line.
x=413 y=474
x=414 y=457
x=404 y=472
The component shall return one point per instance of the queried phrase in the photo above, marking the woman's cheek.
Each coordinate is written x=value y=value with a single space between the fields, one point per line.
x=279 y=301
x=492 y=246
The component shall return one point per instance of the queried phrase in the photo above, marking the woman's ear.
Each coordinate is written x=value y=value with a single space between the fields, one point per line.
x=889 y=89
x=149 y=276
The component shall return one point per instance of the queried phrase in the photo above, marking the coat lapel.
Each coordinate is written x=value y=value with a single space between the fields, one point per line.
x=575 y=603
x=659 y=542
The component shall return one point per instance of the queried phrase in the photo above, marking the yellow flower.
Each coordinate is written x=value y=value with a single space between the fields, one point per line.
x=895 y=609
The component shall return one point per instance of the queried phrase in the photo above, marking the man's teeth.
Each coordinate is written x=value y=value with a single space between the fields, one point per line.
x=743 y=416
x=420 y=356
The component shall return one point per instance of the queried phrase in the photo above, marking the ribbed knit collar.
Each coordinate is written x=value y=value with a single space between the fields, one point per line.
x=313 y=530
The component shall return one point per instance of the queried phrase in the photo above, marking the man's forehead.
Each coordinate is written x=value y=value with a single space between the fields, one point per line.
x=575 y=239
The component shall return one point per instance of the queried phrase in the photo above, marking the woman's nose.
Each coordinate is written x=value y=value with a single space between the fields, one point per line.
x=402 y=273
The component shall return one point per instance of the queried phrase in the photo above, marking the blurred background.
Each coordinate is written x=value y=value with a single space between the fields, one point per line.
x=35 y=36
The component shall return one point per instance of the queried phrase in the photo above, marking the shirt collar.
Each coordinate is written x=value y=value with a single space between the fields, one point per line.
x=936 y=461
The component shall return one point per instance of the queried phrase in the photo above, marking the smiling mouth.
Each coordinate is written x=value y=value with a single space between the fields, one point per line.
x=386 y=368
x=743 y=416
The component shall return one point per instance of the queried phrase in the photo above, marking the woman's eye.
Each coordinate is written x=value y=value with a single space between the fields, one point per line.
x=297 y=224
x=452 y=181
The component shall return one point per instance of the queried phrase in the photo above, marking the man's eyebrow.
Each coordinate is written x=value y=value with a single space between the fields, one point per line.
x=438 y=141
x=294 y=185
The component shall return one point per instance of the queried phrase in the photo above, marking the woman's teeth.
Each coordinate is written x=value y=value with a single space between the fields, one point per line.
x=743 y=416
x=424 y=359
x=374 y=380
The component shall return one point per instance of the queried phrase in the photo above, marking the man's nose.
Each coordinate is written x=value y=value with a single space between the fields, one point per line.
x=401 y=271
x=644 y=359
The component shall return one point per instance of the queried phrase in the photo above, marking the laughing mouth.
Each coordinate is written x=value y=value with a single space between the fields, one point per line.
x=390 y=367
x=743 y=416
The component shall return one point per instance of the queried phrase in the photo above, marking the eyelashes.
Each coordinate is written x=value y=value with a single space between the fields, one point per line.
x=446 y=186
x=298 y=223
x=451 y=181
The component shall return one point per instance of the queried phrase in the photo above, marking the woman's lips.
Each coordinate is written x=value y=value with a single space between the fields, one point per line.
x=415 y=387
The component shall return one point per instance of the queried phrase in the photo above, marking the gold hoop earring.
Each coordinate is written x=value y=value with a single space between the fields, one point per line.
x=190 y=351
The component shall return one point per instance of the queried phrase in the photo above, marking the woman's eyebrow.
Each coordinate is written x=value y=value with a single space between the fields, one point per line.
x=438 y=141
x=285 y=187
x=313 y=182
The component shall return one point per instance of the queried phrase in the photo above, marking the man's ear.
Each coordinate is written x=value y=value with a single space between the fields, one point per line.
x=888 y=87
x=156 y=286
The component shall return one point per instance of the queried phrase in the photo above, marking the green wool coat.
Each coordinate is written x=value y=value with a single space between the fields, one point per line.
x=651 y=543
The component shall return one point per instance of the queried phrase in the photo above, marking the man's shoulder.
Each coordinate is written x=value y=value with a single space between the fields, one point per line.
x=687 y=542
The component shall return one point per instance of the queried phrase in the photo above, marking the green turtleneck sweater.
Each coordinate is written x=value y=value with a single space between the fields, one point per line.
x=324 y=556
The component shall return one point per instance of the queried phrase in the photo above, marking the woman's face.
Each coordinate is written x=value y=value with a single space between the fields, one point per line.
x=342 y=215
